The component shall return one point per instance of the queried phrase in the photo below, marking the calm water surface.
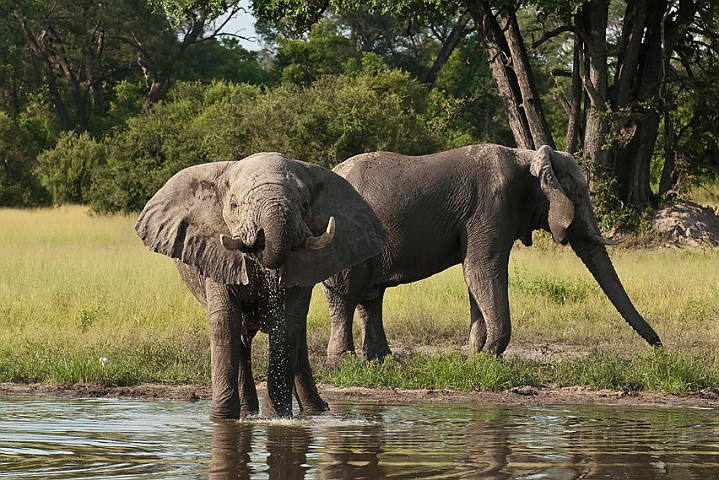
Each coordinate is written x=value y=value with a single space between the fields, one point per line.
x=62 y=438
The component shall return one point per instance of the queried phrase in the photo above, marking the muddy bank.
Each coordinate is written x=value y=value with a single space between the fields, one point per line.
x=547 y=395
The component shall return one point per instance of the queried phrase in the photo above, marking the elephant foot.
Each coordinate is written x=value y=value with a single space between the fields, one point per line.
x=271 y=411
x=477 y=337
x=314 y=407
x=220 y=415
x=249 y=411
x=496 y=347
x=377 y=354
x=335 y=356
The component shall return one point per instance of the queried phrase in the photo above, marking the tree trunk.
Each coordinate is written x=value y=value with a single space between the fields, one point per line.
x=629 y=48
x=492 y=40
x=573 y=133
x=641 y=85
x=669 y=177
x=39 y=52
x=594 y=22
x=456 y=35
x=530 y=101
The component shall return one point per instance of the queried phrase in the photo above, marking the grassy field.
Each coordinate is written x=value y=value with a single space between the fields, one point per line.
x=75 y=288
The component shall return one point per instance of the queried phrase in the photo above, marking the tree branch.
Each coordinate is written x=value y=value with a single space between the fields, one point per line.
x=558 y=31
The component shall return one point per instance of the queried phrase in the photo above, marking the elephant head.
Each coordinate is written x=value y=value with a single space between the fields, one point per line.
x=570 y=218
x=291 y=216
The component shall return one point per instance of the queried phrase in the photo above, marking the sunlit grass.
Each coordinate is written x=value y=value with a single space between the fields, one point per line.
x=654 y=369
x=74 y=288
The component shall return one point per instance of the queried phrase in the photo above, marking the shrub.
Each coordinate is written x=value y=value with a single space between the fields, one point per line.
x=335 y=118
x=66 y=170
x=18 y=185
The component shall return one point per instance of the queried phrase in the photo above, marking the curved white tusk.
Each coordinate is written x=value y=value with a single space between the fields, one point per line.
x=231 y=243
x=606 y=241
x=323 y=240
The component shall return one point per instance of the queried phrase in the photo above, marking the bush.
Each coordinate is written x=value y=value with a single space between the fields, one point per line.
x=66 y=170
x=335 y=118
x=18 y=185
x=195 y=125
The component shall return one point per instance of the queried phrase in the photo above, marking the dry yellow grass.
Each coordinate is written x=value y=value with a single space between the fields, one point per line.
x=80 y=287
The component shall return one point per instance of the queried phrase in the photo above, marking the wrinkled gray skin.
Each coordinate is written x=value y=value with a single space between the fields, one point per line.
x=466 y=206
x=269 y=209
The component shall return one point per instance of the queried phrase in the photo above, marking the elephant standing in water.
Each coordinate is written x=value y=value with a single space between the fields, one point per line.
x=247 y=238
x=466 y=206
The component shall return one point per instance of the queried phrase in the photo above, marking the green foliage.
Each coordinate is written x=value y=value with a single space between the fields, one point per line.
x=170 y=137
x=18 y=185
x=668 y=371
x=66 y=170
x=465 y=101
x=221 y=59
x=660 y=369
x=448 y=369
x=334 y=118
x=611 y=212
x=322 y=53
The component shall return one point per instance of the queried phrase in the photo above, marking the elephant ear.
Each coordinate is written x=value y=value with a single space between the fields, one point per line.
x=561 y=208
x=359 y=234
x=183 y=220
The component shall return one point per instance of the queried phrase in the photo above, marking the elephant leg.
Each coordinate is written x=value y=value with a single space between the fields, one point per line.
x=285 y=329
x=477 y=326
x=487 y=279
x=225 y=332
x=306 y=392
x=374 y=340
x=343 y=293
x=249 y=404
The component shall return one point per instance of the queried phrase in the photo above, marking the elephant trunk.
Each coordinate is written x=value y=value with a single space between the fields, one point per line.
x=280 y=230
x=597 y=260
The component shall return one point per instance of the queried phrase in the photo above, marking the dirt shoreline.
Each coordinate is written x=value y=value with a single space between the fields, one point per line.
x=709 y=397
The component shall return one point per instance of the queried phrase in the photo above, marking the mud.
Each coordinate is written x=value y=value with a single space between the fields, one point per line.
x=545 y=395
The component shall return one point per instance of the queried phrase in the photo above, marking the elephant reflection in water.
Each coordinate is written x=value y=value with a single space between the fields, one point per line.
x=231 y=447
x=287 y=447
x=232 y=443
x=488 y=442
x=353 y=454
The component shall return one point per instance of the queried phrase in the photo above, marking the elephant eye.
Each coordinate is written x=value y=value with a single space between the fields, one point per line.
x=233 y=204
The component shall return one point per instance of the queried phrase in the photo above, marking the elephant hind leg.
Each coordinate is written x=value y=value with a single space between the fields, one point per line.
x=374 y=339
x=343 y=293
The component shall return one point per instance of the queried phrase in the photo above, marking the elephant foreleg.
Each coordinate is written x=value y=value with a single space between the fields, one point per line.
x=285 y=329
x=374 y=340
x=248 y=393
x=306 y=392
x=225 y=355
x=488 y=285
x=477 y=326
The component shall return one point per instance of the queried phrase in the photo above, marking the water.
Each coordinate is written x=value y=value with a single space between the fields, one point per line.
x=62 y=438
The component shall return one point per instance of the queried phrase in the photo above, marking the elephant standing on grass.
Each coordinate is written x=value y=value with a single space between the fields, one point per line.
x=466 y=206
x=250 y=238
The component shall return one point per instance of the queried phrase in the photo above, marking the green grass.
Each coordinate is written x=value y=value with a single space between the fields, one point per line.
x=656 y=369
x=75 y=288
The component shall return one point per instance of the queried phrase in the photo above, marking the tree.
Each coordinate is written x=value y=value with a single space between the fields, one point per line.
x=623 y=105
x=84 y=49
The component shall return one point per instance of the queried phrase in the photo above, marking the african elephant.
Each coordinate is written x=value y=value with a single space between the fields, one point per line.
x=247 y=240
x=466 y=206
